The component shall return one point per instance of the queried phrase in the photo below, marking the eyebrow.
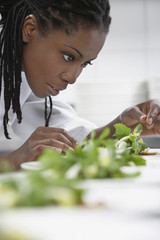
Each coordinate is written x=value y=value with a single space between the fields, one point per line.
x=81 y=55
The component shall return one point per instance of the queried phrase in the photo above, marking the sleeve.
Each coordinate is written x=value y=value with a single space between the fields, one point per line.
x=63 y=116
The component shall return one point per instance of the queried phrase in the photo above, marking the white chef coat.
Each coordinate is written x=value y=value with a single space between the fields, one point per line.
x=63 y=116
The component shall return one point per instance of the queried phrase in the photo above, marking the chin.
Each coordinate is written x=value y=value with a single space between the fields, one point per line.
x=40 y=95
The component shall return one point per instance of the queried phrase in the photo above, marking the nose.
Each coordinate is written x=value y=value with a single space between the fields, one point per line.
x=71 y=74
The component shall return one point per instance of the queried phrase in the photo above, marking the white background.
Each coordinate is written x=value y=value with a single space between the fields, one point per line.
x=129 y=61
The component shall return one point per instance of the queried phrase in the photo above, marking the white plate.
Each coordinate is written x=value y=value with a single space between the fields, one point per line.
x=31 y=165
x=132 y=169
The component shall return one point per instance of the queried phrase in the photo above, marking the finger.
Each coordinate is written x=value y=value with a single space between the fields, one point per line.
x=38 y=150
x=137 y=115
x=61 y=135
x=143 y=118
x=59 y=150
x=72 y=140
x=152 y=131
x=156 y=123
x=152 y=114
x=54 y=143
x=63 y=138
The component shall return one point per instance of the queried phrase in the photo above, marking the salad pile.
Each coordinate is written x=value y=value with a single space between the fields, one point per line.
x=13 y=235
x=56 y=181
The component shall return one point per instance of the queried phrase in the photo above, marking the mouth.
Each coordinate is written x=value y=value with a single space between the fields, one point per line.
x=54 y=90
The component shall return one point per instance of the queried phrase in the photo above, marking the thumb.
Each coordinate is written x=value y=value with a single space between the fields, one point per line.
x=143 y=118
x=133 y=115
x=138 y=115
x=151 y=116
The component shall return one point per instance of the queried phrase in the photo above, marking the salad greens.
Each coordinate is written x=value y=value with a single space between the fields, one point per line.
x=128 y=145
x=56 y=182
x=37 y=188
x=9 y=234
x=128 y=140
x=99 y=158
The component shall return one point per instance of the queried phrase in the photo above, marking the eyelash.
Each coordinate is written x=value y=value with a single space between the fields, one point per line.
x=66 y=55
x=86 y=64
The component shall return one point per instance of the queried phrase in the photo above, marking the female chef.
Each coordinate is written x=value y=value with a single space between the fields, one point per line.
x=44 y=47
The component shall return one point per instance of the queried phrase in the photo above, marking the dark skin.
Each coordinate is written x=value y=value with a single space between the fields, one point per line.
x=42 y=138
x=146 y=113
x=50 y=64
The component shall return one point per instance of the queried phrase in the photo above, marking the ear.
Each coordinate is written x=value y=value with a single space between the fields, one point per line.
x=29 y=28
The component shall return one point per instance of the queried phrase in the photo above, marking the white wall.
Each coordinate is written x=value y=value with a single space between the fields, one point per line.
x=129 y=59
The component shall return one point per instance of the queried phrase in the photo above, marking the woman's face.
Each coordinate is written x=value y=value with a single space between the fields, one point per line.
x=52 y=62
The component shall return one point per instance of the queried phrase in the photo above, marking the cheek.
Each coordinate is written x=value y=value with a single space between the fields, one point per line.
x=39 y=68
x=48 y=72
x=30 y=62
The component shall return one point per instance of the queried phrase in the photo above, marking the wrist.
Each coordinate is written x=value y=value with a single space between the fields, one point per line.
x=7 y=164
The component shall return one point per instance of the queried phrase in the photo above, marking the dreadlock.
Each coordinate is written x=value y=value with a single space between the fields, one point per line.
x=46 y=115
x=68 y=15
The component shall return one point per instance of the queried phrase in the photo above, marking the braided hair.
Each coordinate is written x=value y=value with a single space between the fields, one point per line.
x=69 y=15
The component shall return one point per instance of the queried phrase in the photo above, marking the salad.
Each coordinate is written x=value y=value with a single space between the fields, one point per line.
x=99 y=158
x=8 y=234
x=56 y=181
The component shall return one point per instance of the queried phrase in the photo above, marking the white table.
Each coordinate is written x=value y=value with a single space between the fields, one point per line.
x=130 y=210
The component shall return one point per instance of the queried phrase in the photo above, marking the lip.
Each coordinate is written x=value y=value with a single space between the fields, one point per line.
x=54 y=90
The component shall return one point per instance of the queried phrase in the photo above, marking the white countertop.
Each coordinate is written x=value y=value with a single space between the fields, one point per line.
x=129 y=209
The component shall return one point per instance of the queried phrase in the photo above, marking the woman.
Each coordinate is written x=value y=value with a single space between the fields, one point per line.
x=51 y=41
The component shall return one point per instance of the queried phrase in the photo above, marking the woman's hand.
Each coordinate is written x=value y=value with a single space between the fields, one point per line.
x=147 y=113
x=42 y=138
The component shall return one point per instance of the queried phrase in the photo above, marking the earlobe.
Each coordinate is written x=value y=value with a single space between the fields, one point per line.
x=29 y=28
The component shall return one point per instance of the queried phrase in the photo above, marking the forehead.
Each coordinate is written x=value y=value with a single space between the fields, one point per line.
x=90 y=38
x=87 y=41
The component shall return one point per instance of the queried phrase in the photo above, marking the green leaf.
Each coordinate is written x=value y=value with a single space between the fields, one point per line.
x=138 y=129
x=105 y=133
x=93 y=134
x=52 y=159
x=121 y=130
x=137 y=159
x=95 y=158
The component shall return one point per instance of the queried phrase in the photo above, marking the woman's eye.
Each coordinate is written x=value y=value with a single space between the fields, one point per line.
x=86 y=63
x=68 y=57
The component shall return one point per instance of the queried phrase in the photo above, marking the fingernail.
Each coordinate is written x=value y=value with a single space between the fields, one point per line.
x=150 y=121
x=76 y=144
x=142 y=118
x=59 y=150
x=70 y=148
